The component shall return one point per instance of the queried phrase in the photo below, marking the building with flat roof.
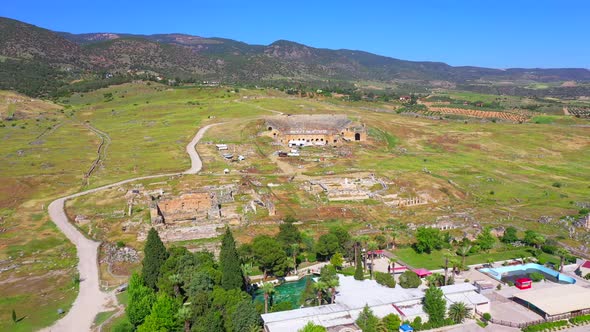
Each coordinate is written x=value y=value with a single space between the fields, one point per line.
x=555 y=301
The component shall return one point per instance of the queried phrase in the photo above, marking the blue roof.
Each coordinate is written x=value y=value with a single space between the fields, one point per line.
x=406 y=328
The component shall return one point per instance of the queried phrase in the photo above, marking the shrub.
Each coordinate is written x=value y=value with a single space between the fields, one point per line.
x=557 y=184
x=545 y=326
x=587 y=276
x=385 y=279
x=487 y=316
x=417 y=323
x=580 y=320
x=499 y=287
x=536 y=276
x=409 y=279
x=348 y=271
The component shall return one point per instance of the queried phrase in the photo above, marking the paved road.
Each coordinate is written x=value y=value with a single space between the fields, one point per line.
x=91 y=300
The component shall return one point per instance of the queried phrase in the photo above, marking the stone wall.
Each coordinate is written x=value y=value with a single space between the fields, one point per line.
x=185 y=207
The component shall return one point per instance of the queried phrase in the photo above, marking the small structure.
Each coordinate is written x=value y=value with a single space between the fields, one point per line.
x=584 y=268
x=484 y=286
x=422 y=272
x=406 y=328
x=221 y=147
x=523 y=283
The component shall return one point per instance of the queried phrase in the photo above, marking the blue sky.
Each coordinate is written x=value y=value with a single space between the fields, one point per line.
x=492 y=33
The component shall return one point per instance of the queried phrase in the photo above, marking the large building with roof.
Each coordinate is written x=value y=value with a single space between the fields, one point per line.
x=314 y=130
x=352 y=295
x=556 y=301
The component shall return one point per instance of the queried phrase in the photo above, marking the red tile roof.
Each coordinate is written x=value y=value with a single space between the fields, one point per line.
x=586 y=265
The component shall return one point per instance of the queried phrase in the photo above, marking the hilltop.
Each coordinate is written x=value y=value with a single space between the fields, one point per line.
x=38 y=61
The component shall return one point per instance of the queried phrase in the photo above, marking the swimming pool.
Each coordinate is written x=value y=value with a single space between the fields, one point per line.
x=511 y=273
x=286 y=292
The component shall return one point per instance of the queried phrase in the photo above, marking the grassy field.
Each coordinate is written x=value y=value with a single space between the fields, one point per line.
x=435 y=260
x=500 y=173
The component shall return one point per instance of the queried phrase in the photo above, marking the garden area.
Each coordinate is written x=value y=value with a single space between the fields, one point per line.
x=434 y=248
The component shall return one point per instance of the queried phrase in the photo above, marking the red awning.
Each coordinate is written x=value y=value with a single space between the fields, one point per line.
x=422 y=272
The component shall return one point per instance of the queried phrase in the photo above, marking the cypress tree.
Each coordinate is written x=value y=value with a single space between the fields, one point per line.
x=231 y=272
x=358 y=272
x=155 y=255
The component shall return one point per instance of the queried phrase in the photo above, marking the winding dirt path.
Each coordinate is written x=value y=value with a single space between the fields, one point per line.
x=91 y=299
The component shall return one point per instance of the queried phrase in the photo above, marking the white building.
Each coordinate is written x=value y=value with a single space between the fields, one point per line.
x=352 y=295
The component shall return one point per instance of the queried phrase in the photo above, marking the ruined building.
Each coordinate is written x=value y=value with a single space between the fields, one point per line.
x=314 y=130
x=206 y=204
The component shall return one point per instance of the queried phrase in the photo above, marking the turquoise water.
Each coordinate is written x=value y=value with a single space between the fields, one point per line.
x=511 y=273
x=286 y=292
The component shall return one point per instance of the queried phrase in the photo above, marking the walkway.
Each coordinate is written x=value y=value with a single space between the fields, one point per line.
x=91 y=299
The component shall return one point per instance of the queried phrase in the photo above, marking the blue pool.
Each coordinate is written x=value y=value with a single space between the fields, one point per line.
x=511 y=273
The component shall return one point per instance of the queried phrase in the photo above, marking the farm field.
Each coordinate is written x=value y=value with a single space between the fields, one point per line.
x=499 y=173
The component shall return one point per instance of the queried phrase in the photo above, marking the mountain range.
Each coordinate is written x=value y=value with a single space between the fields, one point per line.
x=70 y=56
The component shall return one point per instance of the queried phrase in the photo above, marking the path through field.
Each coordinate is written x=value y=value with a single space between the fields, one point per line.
x=91 y=299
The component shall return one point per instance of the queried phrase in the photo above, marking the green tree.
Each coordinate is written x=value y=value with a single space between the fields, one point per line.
x=320 y=287
x=458 y=312
x=269 y=255
x=288 y=234
x=185 y=315
x=176 y=282
x=294 y=249
x=162 y=316
x=392 y=322
x=358 y=271
x=14 y=320
x=428 y=239
x=141 y=299
x=435 y=306
x=311 y=327
x=463 y=251
x=562 y=253
x=268 y=288
x=229 y=261
x=212 y=321
x=308 y=295
x=327 y=245
x=155 y=255
x=485 y=239
x=372 y=246
x=343 y=238
x=381 y=241
x=245 y=317
x=329 y=276
x=367 y=321
x=332 y=284
x=409 y=279
x=337 y=260
x=534 y=239
x=510 y=235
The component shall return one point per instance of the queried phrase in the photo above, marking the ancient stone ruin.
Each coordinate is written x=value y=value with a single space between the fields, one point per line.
x=206 y=204
x=314 y=130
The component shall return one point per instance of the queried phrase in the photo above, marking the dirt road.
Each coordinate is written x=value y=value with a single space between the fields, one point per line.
x=91 y=299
